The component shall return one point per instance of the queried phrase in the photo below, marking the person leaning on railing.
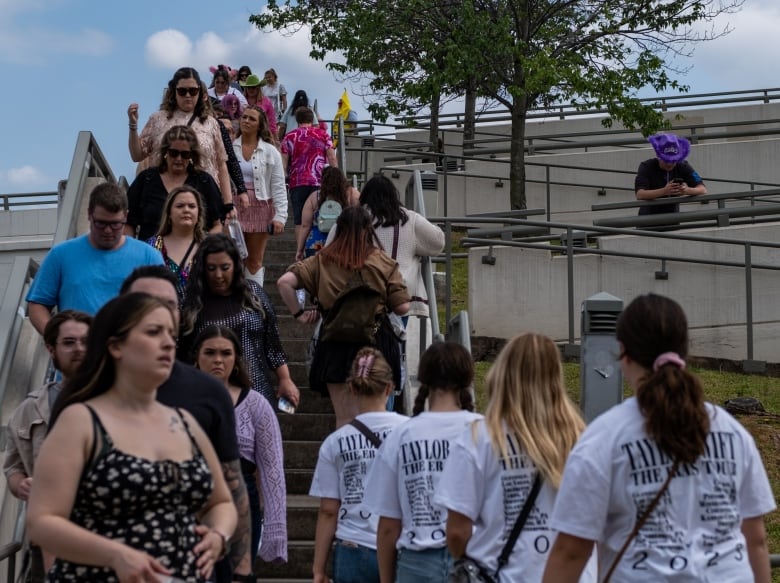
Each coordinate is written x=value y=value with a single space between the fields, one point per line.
x=667 y=175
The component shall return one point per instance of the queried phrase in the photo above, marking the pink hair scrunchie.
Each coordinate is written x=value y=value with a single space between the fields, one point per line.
x=666 y=358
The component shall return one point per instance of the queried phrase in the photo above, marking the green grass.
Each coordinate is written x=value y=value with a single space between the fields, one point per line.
x=719 y=386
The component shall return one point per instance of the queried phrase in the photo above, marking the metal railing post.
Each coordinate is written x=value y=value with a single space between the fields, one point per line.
x=547 y=185
x=571 y=348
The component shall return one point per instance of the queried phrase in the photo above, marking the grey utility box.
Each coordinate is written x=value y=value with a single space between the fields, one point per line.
x=601 y=380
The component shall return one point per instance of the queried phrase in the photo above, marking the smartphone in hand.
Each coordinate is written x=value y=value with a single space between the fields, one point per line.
x=678 y=181
x=285 y=406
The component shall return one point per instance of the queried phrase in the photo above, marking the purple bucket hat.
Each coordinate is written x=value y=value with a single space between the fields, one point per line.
x=670 y=148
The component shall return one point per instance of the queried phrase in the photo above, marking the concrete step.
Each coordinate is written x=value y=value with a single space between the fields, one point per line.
x=298 y=481
x=313 y=403
x=295 y=348
x=301 y=454
x=302 y=517
x=307 y=426
x=300 y=555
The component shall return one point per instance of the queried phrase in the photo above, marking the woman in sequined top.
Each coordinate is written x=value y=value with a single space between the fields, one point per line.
x=218 y=294
x=218 y=353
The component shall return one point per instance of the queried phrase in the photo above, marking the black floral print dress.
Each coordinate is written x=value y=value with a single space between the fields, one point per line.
x=148 y=505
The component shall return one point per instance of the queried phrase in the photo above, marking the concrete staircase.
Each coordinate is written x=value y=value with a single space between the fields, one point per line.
x=302 y=432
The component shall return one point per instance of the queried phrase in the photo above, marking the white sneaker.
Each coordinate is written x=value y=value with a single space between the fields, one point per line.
x=258 y=276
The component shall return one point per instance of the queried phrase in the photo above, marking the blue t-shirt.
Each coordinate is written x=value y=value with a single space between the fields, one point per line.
x=77 y=276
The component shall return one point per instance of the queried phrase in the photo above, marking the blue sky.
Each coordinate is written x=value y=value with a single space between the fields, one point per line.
x=72 y=65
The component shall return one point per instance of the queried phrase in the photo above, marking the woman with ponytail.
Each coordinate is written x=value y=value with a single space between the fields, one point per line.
x=339 y=480
x=530 y=426
x=707 y=523
x=411 y=541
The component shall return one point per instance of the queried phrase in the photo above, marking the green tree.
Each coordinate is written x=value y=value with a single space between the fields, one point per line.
x=524 y=54
x=396 y=50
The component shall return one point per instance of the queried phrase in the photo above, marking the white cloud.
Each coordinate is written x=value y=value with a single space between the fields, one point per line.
x=740 y=60
x=26 y=177
x=168 y=49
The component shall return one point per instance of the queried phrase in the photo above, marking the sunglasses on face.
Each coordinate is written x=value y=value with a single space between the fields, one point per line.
x=191 y=91
x=184 y=154
x=113 y=225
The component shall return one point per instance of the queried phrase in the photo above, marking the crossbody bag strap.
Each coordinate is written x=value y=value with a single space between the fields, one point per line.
x=503 y=559
x=641 y=521
x=187 y=255
x=370 y=435
x=396 y=229
x=192 y=119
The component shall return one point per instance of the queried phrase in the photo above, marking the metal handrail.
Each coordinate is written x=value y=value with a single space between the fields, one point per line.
x=15 y=200
x=88 y=161
x=563 y=111
x=749 y=364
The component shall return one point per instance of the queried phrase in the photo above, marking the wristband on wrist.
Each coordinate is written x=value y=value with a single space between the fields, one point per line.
x=298 y=314
x=225 y=542
x=227 y=207
x=133 y=127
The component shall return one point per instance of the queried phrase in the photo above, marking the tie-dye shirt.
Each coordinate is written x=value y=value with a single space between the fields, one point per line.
x=307 y=149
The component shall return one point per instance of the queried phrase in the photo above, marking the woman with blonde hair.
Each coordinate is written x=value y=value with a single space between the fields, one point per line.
x=669 y=486
x=530 y=426
x=345 y=459
x=181 y=231
x=264 y=210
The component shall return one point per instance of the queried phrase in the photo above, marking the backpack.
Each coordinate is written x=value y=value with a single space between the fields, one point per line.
x=353 y=316
x=327 y=215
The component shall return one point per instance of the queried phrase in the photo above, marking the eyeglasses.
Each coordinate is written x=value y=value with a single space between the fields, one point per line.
x=191 y=91
x=72 y=343
x=113 y=225
x=174 y=153
x=243 y=75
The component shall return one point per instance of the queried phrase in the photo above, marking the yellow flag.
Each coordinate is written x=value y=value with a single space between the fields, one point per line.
x=344 y=106
x=341 y=115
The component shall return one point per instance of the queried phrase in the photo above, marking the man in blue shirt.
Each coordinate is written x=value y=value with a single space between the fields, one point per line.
x=85 y=272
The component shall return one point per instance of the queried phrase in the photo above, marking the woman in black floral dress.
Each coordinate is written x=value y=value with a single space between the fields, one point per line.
x=125 y=488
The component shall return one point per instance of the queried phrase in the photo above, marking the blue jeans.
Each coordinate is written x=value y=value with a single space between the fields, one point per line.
x=353 y=563
x=428 y=566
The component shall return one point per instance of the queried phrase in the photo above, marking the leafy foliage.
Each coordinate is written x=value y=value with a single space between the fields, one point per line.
x=524 y=54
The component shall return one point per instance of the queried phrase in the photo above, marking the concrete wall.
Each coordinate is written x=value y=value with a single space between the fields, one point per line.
x=737 y=158
x=527 y=289
x=24 y=232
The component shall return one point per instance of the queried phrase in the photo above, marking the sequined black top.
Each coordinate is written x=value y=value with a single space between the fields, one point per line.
x=259 y=335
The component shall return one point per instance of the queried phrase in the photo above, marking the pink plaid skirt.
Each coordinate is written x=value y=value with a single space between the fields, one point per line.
x=258 y=216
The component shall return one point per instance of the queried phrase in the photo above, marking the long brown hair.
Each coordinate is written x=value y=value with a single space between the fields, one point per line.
x=445 y=366
x=166 y=226
x=355 y=240
x=670 y=398
x=97 y=373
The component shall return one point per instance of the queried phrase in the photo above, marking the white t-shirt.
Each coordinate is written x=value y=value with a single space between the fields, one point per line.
x=694 y=533
x=345 y=458
x=405 y=475
x=491 y=492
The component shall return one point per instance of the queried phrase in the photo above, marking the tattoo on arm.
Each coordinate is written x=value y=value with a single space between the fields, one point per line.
x=240 y=555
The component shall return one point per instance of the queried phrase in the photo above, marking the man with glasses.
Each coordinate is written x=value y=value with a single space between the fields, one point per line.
x=65 y=336
x=85 y=272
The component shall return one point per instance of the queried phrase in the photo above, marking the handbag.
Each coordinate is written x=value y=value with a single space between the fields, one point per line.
x=641 y=521
x=467 y=570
